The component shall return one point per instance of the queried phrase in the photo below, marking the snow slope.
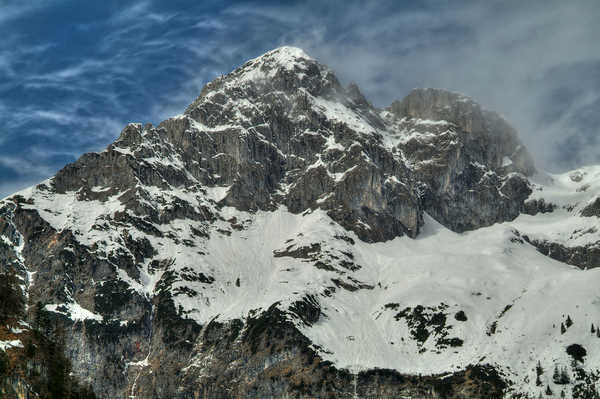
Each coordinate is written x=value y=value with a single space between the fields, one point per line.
x=513 y=297
x=430 y=305
x=570 y=192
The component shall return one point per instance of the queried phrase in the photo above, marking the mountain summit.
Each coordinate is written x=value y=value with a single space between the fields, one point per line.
x=284 y=238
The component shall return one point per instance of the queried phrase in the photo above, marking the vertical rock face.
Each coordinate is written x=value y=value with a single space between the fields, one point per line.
x=269 y=242
x=470 y=159
x=495 y=137
x=282 y=130
x=291 y=134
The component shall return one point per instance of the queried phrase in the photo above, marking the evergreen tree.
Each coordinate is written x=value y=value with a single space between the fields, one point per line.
x=569 y=322
x=564 y=377
x=593 y=329
x=30 y=348
x=562 y=328
x=4 y=364
x=538 y=372
x=41 y=319
x=556 y=375
x=11 y=298
x=548 y=390
x=598 y=332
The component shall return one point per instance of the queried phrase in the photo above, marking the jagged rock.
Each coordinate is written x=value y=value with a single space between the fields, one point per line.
x=470 y=159
x=582 y=256
x=196 y=258
x=576 y=176
x=593 y=209
x=535 y=206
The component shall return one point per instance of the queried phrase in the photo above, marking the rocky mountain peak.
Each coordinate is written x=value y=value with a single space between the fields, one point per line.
x=285 y=62
x=435 y=104
x=286 y=57
x=286 y=69
x=281 y=130
x=498 y=141
x=271 y=228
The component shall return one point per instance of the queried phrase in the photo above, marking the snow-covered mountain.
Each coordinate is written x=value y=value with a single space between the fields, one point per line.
x=284 y=238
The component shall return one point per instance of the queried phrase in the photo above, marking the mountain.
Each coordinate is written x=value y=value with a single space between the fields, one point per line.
x=284 y=238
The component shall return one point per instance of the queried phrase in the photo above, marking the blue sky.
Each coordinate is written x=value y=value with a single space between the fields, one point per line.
x=73 y=73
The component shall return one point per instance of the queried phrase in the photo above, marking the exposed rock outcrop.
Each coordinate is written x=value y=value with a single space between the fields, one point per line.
x=470 y=159
x=193 y=259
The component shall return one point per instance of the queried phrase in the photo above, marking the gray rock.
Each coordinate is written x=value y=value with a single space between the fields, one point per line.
x=592 y=209
x=265 y=136
x=473 y=166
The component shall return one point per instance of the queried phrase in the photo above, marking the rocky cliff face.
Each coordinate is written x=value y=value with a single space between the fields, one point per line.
x=284 y=238
x=471 y=160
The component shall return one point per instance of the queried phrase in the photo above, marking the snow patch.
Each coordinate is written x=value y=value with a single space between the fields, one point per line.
x=506 y=161
x=73 y=311
x=15 y=343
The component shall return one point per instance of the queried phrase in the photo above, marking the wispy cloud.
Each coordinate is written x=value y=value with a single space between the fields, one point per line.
x=12 y=10
x=501 y=53
x=210 y=24
x=69 y=86
x=24 y=167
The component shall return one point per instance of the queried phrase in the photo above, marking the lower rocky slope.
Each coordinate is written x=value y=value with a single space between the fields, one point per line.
x=269 y=304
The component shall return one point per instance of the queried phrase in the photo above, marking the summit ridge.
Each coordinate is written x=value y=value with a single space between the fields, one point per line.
x=284 y=238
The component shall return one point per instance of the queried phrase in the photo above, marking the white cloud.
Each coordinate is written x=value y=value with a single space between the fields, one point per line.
x=504 y=54
x=18 y=9
x=25 y=167
x=496 y=52
x=211 y=24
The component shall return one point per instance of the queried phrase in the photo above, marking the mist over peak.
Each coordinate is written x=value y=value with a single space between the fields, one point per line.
x=535 y=63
